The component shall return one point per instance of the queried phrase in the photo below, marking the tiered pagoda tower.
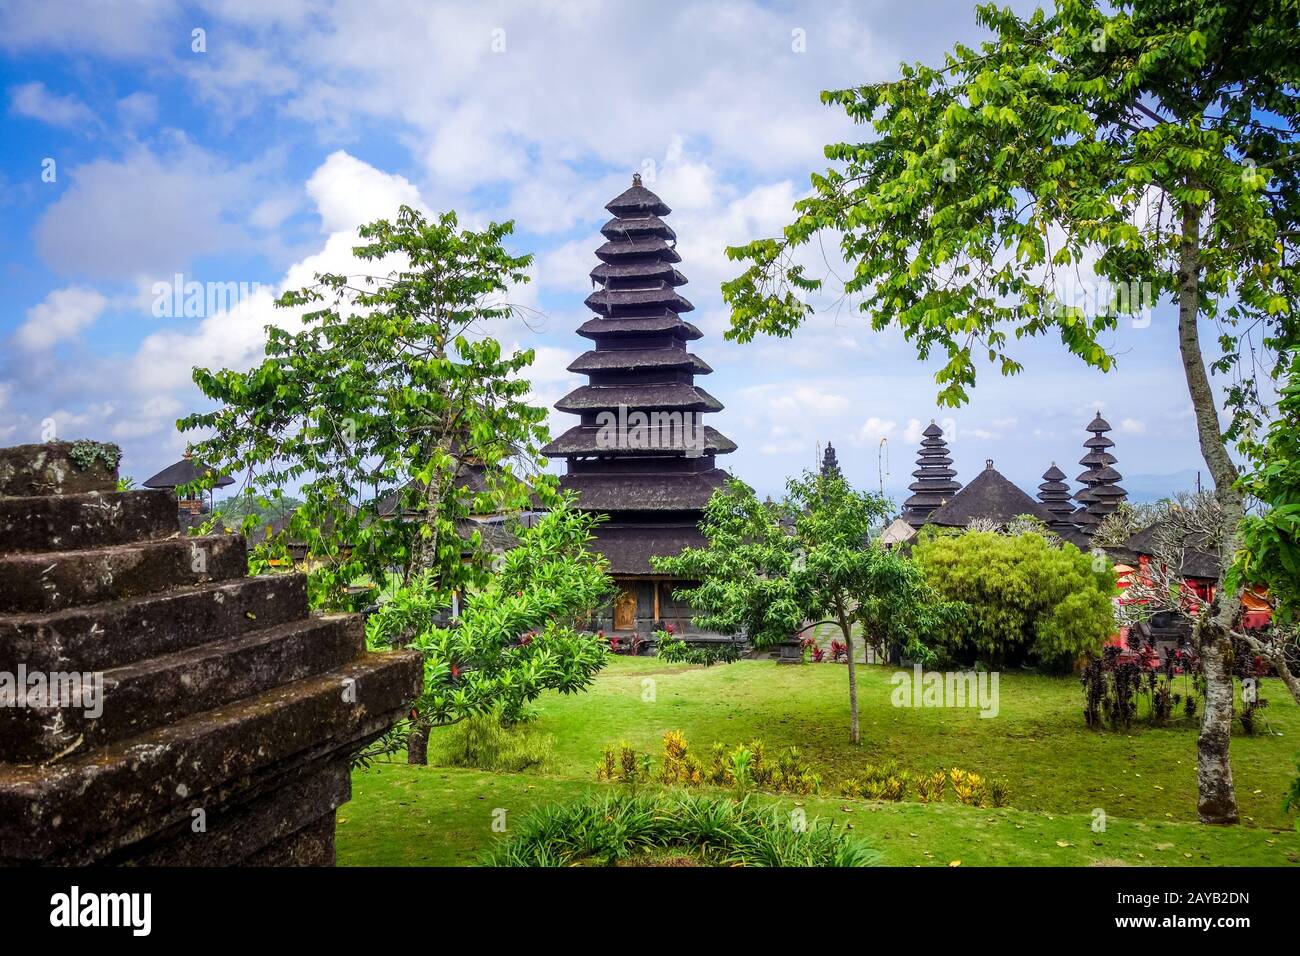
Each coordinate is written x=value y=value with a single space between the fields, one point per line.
x=640 y=452
x=831 y=462
x=1054 y=493
x=1101 y=493
x=935 y=478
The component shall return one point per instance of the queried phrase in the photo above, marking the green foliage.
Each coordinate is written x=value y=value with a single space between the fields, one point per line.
x=674 y=650
x=1089 y=132
x=885 y=781
x=263 y=509
x=389 y=386
x=624 y=764
x=1292 y=797
x=125 y=483
x=768 y=568
x=518 y=634
x=84 y=453
x=743 y=767
x=1270 y=541
x=1025 y=599
x=612 y=828
x=485 y=743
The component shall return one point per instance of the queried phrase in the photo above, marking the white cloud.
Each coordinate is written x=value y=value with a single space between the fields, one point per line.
x=61 y=315
x=148 y=213
x=349 y=193
x=874 y=429
x=1132 y=426
x=138 y=109
x=36 y=102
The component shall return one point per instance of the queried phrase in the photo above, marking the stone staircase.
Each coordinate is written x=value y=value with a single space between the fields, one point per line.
x=223 y=715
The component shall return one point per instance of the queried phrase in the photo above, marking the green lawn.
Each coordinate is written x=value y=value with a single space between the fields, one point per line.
x=1058 y=770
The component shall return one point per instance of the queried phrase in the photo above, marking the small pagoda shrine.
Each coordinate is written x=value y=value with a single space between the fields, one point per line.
x=1101 y=493
x=191 y=507
x=640 y=452
x=1054 y=493
x=935 y=478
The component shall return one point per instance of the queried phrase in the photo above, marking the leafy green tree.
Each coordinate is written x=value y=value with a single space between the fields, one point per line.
x=520 y=633
x=1270 y=553
x=769 y=569
x=389 y=387
x=1026 y=600
x=1155 y=140
x=264 y=510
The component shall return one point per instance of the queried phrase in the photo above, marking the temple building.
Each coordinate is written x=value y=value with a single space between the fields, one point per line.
x=935 y=478
x=1101 y=493
x=991 y=498
x=640 y=452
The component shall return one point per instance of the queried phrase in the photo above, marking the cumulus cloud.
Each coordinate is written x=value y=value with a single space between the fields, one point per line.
x=148 y=212
x=60 y=315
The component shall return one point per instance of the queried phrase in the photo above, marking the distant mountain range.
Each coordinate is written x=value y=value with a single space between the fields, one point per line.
x=1146 y=488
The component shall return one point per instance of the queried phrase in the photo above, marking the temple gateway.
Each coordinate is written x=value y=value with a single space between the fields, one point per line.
x=640 y=452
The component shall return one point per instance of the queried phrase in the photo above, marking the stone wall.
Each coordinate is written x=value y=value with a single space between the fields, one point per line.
x=202 y=717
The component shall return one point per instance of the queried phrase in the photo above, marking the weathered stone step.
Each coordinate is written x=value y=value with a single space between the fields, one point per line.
x=113 y=795
x=133 y=699
x=90 y=520
x=50 y=469
x=102 y=636
x=61 y=579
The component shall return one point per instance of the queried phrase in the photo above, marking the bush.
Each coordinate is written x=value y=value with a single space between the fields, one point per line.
x=676 y=651
x=482 y=742
x=886 y=781
x=1027 y=601
x=743 y=767
x=931 y=787
x=609 y=829
x=625 y=765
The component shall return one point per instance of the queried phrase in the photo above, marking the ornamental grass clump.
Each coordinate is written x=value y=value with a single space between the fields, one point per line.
x=613 y=829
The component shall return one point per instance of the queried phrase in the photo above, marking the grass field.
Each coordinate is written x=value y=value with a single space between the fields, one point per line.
x=1058 y=770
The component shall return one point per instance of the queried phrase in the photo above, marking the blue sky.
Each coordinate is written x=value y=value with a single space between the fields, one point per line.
x=253 y=159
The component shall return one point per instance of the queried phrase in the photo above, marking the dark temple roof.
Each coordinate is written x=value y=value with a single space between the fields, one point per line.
x=182 y=473
x=989 y=496
x=935 y=479
x=640 y=446
x=1101 y=493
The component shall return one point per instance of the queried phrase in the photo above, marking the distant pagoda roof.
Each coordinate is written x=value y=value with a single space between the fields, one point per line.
x=935 y=480
x=1101 y=493
x=831 y=462
x=640 y=451
x=1054 y=494
x=989 y=496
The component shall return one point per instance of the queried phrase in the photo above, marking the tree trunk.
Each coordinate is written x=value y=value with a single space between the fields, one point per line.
x=417 y=743
x=1217 y=799
x=846 y=627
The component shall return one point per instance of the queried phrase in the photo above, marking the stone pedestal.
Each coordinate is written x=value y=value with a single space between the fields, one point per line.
x=158 y=706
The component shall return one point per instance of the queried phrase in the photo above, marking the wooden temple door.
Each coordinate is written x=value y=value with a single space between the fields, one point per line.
x=625 y=611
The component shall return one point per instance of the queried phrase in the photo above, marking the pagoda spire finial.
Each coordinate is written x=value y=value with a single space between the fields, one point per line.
x=934 y=476
x=636 y=179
